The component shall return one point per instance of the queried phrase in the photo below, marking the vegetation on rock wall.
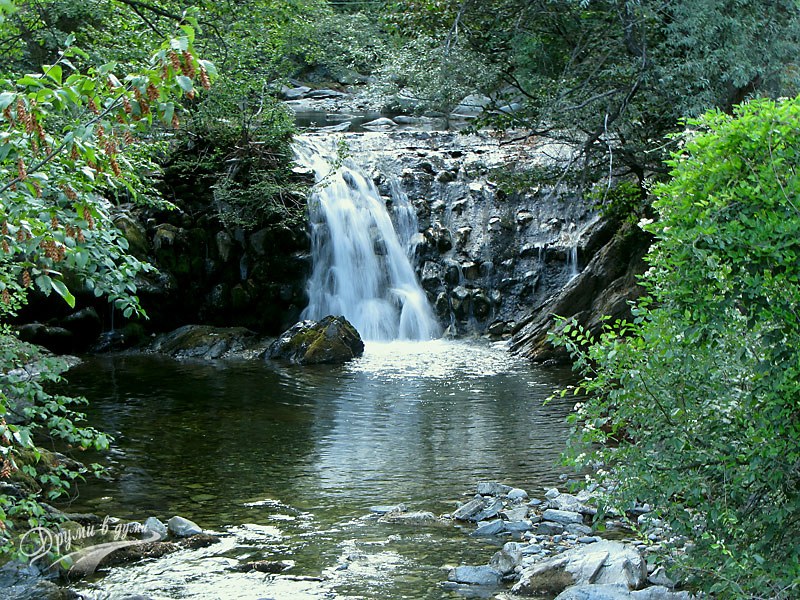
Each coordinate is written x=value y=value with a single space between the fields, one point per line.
x=694 y=405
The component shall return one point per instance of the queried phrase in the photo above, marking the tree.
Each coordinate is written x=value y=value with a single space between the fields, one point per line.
x=695 y=404
x=75 y=137
x=614 y=77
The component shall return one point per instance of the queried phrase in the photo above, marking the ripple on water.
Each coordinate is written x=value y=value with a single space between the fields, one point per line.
x=285 y=461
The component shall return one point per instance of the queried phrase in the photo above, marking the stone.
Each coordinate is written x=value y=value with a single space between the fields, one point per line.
x=387 y=508
x=497 y=328
x=84 y=324
x=515 y=514
x=432 y=275
x=570 y=503
x=204 y=342
x=165 y=236
x=504 y=562
x=562 y=516
x=524 y=217
x=467 y=512
x=265 y=566
x=471 y=106
x=325 y=93
x=492 y=488
x=482 y=575
x=381 y=123
x=577 y=529
x=519 y=526
x=599 y=563
x=481 y=305
x=471 y=270
x=409 y=518
x=606 y=286
x=332 y=340
x=517 y=494
x=55 y=339
x=620 y=592
x=295 y=93
x=135 y=233
x=182 y=527
x=552 y=493
x=491 y=510
x=495 y=527
x=549 y=528
x=156 y=526
x=659 y=577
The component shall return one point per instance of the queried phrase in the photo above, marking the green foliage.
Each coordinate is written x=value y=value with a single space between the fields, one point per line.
x=236 y=146
x=76 y=136
x=436 y=74
x=30 y=415
x=622 y=201
x=694 y=405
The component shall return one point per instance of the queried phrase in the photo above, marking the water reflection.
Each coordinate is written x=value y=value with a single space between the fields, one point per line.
x=286 y=460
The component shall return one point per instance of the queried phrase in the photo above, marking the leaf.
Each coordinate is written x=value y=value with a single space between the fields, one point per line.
x=6 y=98
x=54 y=72
x=62 y=290
x=169 y=110
x=185 y=83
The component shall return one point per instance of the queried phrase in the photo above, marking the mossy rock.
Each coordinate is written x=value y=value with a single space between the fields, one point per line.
x=332 y=340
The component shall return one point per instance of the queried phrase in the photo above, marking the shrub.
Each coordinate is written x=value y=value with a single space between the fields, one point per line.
x=694 y=405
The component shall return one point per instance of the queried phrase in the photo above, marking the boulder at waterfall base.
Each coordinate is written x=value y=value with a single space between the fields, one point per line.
x=332 y=340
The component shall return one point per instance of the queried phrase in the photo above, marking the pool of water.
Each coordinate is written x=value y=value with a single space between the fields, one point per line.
x=285 y=461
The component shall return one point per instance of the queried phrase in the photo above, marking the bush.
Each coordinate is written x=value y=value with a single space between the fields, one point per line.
x=695 y=404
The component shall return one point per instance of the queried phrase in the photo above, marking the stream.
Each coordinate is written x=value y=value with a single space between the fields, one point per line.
x=284 y=462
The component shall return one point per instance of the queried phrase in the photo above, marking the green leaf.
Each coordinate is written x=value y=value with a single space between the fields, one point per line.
x=185 y=83
x=6 y=98
x=54 y=72
x=62 y=290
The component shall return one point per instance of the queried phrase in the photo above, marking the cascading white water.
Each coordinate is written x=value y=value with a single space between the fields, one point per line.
x=360 y=270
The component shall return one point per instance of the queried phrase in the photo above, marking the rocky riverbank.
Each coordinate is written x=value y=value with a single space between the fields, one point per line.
x=552 y=548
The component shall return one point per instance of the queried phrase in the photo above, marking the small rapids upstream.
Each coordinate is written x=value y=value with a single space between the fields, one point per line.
x=361 y=269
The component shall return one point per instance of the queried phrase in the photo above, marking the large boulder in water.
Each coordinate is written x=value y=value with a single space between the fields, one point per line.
x=332 y=340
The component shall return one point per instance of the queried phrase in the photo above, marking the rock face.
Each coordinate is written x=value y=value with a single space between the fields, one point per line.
x=598 y=563
x=331 y=340
x=208 y=343
x=604 y=287
x=485 y=255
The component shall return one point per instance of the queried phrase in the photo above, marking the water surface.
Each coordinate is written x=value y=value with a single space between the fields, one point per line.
x=285 y=462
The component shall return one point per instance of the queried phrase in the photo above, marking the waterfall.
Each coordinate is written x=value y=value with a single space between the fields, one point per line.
x=360 y=268
x=572 y=262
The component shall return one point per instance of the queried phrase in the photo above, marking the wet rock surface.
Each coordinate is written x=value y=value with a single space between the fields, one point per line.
x=204 y=342
x=605 y=287
x=551 y=549
x=331 y=340
x=484 y=256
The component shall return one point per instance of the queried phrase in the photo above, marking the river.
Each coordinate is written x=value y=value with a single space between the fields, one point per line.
x=284 y=462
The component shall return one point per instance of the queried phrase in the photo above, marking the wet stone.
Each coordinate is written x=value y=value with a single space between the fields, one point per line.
x=181 y=527
x=495 y=527
x=387 y=508
x=562 y=516
x=492 y=510
x=482 y=575
x=492 y=488
x=549 y=528
x=468 y=511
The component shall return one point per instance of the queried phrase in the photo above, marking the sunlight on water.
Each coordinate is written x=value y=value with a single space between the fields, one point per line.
x=434 y=359
x=284 y=462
